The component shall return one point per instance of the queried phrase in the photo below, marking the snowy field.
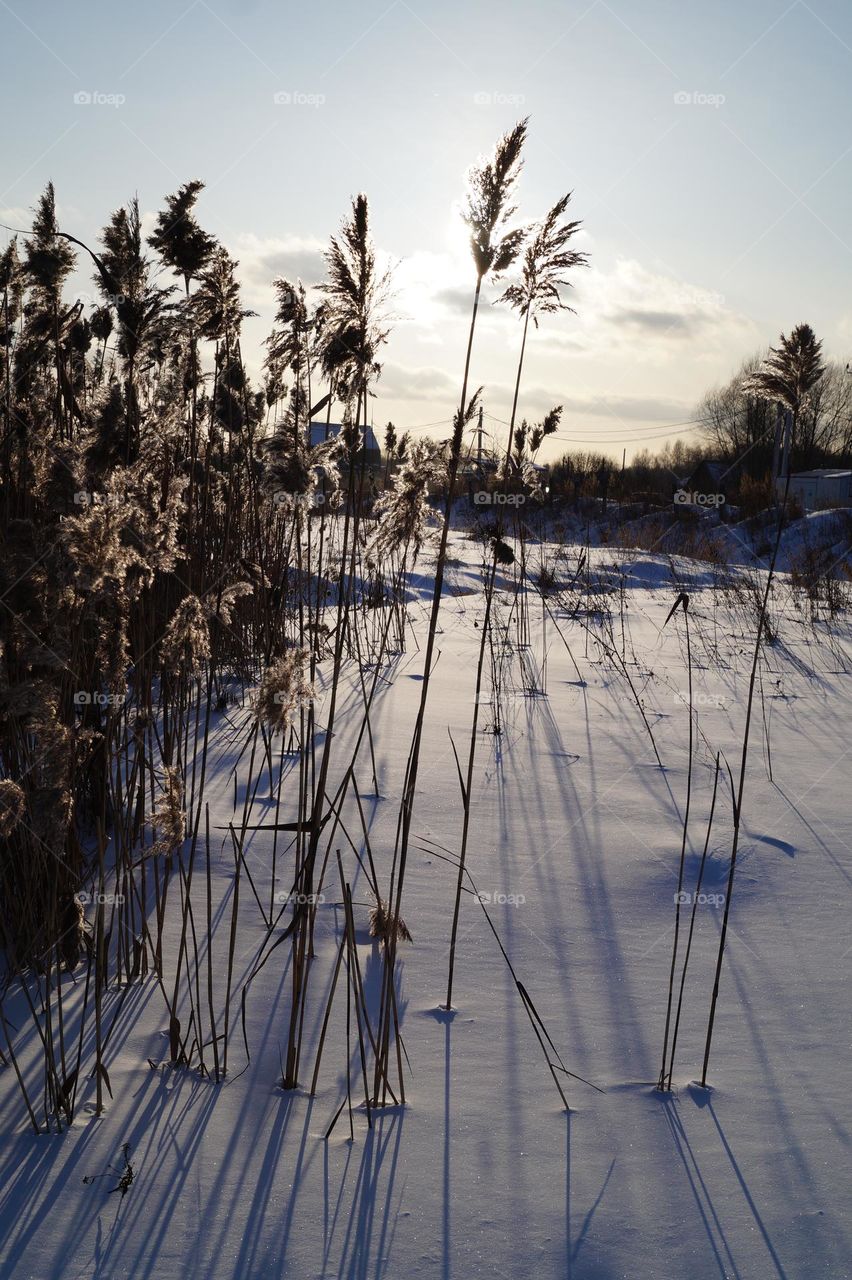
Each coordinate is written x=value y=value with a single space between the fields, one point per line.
x=574 y=848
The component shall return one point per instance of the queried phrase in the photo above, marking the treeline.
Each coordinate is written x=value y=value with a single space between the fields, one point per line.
x=739 y=424
x=736 y=424
x=649 y=476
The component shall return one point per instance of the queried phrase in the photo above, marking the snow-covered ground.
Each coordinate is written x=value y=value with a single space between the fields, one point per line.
x=575 y=843
x=703 y=532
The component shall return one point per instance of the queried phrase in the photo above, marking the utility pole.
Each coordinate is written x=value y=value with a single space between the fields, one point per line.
x=479 y=442
x=788 y=441
x=776 y=452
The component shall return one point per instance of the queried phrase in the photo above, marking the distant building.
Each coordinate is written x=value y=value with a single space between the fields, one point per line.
x=816 y=490
x=321 y=431
x=709 y=485
x=471 y=468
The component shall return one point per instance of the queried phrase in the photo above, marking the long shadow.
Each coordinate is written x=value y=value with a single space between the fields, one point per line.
x=697 y=1185
x=758 y=1220
x=29 y=1195
x=252 y=1240
x=163 y=1134
x=796 y=1149
x=28 y=1191
x=446 y=1263
x=373 y=979
x=573 y=1254
x=568 y=1251
x=835 y=862
x=234 y=1173
x=330 y=1222
x=372 y=1202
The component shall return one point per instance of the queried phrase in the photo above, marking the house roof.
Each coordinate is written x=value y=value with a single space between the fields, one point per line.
x=321 y=431
x=718 y=470
x=822 y=473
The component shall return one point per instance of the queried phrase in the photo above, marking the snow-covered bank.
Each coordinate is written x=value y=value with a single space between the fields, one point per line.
x=575 y=845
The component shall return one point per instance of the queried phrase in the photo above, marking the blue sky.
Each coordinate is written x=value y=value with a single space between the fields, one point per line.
x=708 y=149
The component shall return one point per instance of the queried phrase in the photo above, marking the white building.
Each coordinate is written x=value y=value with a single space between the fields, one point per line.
x=816 y=490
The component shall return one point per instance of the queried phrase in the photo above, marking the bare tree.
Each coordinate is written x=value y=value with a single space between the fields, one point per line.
x=737 y=422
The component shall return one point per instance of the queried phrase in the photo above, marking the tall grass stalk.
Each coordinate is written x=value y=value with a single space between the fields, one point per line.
x=664 y=1081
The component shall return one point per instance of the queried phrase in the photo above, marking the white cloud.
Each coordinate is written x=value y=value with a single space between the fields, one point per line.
x=17 y=217
x=264 y=259
x=632 y=307
x=843 y=335
x=405 y=382
x=630 y=408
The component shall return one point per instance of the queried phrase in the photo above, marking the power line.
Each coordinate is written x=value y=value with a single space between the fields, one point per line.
x=421 y=426
x=647 y=438
x=643 y=435
x=689 y=422
x=640 y=436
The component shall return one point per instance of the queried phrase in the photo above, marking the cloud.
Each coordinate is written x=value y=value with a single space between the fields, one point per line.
x=459 y=300
x=628 y=308
x=646 y=339
x=631 y=302
x=661 y=322
x=410 y=383
x=262 y=260
x=454 y=299
x=841 y=339
x=635 y=408
x=538 y=400
x=15 y=215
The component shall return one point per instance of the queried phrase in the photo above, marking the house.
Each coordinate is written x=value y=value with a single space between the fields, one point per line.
x=471 y=468
x=709 y=485
x=321 y=431
x=816 y=490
